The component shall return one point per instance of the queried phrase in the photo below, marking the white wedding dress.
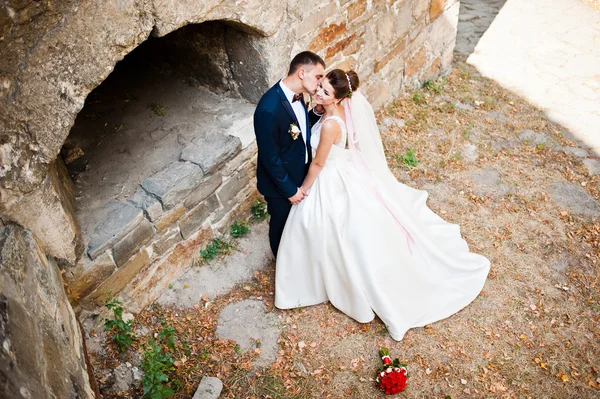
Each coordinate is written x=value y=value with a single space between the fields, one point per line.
x=386 y=254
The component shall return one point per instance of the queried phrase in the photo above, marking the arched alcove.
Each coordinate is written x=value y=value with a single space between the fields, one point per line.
x=150 y=143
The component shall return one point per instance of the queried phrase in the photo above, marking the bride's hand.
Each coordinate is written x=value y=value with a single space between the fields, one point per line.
x=304 y=190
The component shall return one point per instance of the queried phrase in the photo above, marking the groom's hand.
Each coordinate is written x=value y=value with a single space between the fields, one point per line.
x=299 y=196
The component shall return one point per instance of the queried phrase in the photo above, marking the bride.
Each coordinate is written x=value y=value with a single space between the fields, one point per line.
x=362 y=240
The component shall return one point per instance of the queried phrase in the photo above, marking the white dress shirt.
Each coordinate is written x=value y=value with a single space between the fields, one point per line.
x=300 y=112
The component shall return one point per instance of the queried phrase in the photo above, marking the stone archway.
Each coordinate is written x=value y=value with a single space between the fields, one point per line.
x=51 y=67
x=172 y=99
x=161 y=156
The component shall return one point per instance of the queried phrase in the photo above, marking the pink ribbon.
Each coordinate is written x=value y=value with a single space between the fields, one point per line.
x=369 y=179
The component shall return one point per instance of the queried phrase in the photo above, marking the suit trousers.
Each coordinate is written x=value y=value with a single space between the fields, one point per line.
x=279 y=209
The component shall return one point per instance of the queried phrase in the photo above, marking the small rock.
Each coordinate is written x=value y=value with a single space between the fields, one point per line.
x=501 y=143
x=592 y=165
x=256 y=324
x=488 y=181
x=389 y=121
x=137 y=373
x=141 y=331
x=537 y=138
x=301 y=367
x=123 y=378
x=128 y=316
x=575 y=151
x=209 y=388
x=469 y=152
x=464 y=107
x=498 y=115
x=574 y=198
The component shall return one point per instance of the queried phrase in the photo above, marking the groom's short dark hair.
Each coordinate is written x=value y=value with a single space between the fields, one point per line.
x=305 y=58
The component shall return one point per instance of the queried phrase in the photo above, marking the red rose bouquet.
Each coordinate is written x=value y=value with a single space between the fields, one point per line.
x=392 y=377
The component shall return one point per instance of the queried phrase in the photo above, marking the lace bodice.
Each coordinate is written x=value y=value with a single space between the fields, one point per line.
x=338 y=149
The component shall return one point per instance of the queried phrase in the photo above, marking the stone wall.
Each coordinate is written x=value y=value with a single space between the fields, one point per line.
x=53 y=54
x=150 y=239
x=42 y=354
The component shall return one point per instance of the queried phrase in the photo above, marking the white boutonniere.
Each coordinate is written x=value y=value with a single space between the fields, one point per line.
x=294 y=131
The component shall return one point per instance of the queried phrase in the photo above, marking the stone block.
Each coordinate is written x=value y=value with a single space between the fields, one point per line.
x=442 y=33
x=574 y=198
x=90 y=275
x=132 y=242
x=206 y=188
x=174 y=183
x=592 y=165
x=416 y=62
x=212 y=151
x=120 y=219
x=436 y=9
x=169 y=218
x=153 y=280
x=327 y=35
x=340 y=46
x=48 y=213
x=420 y=8
x=209 y=388
x=117 y=281
x=378 y=94
x=233 y=186
x=149 y=204
x=434 y=70
x=311 y=23
x=398 y=47
x=246 y=154
x=42 y=342
x=167 y=240
x=236 y=209
x=191 y=222
x=356 y=9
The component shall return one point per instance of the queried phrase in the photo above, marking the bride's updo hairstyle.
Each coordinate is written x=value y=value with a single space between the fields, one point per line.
x=343 y=83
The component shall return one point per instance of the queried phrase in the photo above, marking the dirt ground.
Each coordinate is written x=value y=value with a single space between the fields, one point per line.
x=534 y=330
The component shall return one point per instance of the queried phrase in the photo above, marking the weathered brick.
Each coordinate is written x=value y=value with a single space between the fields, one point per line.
x=233 y=186
x=340 y=46
x=169 y=218
x=436 y=9
x=167 y=240
x=119 y=219
x=91 y=275
x=434 y=69
x=192 y=222
x=378 y=94
x=206 y=188
x=397 y=48
x=356 y=9
x=132 y=242
x=327 y=35
x=150 y=205
x=416 y=62
x=174 y=183
x=212 y=151
x=117 y=281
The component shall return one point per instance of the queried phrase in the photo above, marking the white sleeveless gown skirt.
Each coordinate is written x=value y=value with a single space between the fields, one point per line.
x=342 y=244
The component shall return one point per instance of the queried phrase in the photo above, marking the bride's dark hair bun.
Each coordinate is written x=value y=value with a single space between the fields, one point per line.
x=343 y=82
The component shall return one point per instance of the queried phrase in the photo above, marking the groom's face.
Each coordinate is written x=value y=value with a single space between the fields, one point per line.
x=311 y=75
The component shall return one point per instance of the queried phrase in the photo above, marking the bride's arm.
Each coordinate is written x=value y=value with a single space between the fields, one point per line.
x=330 y=132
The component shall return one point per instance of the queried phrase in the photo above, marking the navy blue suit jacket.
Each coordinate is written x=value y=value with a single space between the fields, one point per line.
x=280 y=168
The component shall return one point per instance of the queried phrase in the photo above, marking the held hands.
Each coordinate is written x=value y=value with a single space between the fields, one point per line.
x=298 y=197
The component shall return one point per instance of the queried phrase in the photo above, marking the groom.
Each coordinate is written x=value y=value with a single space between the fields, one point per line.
x=282 y=128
